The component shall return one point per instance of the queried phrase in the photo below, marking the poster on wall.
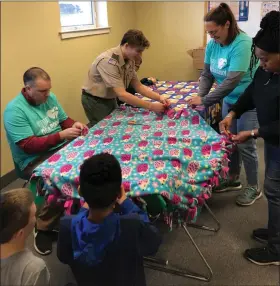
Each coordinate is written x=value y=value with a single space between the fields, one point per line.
x=269 y=6
x=240 y=9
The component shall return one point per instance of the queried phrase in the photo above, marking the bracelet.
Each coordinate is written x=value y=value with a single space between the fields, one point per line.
x=253 y=134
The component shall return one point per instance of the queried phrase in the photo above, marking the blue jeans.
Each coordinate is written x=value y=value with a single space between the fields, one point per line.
x=246 y=152
x=272 y=192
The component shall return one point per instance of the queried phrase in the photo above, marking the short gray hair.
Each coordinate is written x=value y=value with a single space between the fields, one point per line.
x=32 y=74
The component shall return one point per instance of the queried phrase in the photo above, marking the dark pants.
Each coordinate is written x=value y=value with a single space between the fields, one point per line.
x=272 y=192
x=49 y=215
x=131 y=90
x=97 y=108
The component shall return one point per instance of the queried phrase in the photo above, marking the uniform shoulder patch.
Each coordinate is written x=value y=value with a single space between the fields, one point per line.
x=112 y=61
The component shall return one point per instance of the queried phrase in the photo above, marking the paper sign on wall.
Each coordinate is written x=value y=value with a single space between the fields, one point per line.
x=269 y=6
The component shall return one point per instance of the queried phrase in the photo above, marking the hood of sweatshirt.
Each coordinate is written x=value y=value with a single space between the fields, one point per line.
x=90 y=240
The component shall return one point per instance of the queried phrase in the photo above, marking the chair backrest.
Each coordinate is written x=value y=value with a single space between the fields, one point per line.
x=155 y=204
x=19 y=173
x=32 y=186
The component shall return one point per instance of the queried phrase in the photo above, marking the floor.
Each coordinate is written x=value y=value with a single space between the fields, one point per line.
x=223 y=250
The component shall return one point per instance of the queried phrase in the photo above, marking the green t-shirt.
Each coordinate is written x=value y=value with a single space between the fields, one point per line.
x=22 y=120
x=232 y=58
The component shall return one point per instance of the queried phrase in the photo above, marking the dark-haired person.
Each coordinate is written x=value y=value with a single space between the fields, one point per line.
x=227 y=61
x=102 y=247
x=37 y=126
x=19 y=266
x=264 y=95
x=147 y=81
x=111 y=74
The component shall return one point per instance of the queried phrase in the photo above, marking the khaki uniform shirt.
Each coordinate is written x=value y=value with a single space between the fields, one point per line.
x=109 y=71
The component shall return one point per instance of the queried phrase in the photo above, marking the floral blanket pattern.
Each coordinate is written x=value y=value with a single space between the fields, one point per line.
x=178 y=91
x=178 y=158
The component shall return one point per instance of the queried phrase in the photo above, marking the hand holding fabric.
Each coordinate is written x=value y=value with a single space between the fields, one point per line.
x=196 y=100
x=241 y=137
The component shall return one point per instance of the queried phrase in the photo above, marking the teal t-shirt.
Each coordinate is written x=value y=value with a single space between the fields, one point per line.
x=22 y=120
x=232 y=58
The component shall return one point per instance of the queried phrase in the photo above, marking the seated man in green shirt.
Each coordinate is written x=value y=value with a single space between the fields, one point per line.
x=37 y=126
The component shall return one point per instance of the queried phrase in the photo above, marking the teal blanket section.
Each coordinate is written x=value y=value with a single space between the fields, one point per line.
x=176 y=158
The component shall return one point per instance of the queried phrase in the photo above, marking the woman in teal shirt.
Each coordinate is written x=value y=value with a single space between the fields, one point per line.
x=227 y=62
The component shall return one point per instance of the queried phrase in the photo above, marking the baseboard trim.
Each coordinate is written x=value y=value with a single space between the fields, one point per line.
x=8 y=178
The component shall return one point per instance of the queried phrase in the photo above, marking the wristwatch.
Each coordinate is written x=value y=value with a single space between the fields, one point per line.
x=253 y=135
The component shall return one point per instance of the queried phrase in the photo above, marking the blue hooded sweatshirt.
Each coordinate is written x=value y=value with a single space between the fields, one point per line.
x=109 y=253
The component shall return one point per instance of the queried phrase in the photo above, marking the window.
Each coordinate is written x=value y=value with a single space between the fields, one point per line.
x=83 y=18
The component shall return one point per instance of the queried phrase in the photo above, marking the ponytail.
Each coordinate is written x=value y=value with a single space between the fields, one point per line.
x=220 y=15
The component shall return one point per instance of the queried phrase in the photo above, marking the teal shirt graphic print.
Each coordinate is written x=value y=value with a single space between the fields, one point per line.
x=232 y=58
x=22 y=120
x=48 y=124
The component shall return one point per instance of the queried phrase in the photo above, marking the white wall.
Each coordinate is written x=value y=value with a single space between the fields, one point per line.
x=251 y=26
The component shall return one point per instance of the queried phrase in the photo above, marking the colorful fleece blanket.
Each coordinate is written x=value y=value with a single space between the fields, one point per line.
x=179 y=91
x=179 y=157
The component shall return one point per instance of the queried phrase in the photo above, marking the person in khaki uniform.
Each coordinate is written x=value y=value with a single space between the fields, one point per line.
x=111 y=74
x=147 y=81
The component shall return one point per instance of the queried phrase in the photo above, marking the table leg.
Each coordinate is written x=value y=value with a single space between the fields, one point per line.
x=155 y=265
x=204 y=227
x=156 y=260
x=160 y=265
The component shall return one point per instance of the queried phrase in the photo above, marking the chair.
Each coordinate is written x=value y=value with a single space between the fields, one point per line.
x=39 y=200
x=156 y=204
x=21 y=175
